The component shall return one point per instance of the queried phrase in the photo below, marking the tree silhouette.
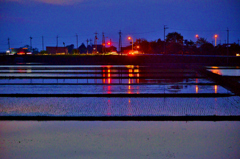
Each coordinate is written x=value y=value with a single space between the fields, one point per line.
x=174 y=38
x=201 y=41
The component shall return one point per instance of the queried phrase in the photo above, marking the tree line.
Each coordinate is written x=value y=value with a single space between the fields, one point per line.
x=175 y=44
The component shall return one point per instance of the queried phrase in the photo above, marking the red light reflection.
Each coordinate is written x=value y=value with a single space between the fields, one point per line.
x=109 y=90
x=109 y=109
x=129 y=107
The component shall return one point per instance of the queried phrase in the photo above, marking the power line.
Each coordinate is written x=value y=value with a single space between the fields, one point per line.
x=144 y=32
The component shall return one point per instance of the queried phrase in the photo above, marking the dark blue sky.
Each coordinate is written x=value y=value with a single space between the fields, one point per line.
x=20 y=19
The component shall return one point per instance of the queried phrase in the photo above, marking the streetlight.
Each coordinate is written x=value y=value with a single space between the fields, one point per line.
x=197 y=36
x=215 y=36
x=129 y=38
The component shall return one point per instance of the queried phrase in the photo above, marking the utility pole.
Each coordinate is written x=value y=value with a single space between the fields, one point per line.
x=103 y=42
x=57 y=45
x=42 y=43
x=164 y=39
x=9 y=44
x=30 y=43
x=87 y=45
x=77 y=40
x=120 y=41
x=57 y=40
x=227 y=44
x=95 y=41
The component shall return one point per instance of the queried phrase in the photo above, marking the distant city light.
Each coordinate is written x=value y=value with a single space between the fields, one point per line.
x=215 y=36
x=129 y=38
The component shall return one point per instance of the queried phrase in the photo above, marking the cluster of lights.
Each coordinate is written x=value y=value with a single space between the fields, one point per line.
x=215 y=36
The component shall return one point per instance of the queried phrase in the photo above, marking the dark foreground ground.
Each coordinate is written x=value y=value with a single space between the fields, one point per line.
x=121 y=60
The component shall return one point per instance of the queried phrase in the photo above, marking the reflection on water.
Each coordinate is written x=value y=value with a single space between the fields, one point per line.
x=111 y=89
x=92 y=106
x=225 y=71
x=112 y=79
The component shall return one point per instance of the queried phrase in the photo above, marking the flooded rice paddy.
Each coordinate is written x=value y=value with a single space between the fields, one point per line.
x=112 y=90
x=115 y=91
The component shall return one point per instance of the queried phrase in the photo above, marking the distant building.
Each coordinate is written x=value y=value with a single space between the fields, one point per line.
x=20 y=51
x=97 y=49
x=57 y=50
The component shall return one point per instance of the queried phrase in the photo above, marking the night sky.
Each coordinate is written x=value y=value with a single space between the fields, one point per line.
x=20 y=19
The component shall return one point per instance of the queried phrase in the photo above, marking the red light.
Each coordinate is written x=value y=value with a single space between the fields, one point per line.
x=109 y=43
x=21 y=53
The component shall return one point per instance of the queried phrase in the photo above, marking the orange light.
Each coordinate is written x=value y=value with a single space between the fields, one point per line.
x=21 y=53
x=197 y=88
x=109 y=43
x=215 y=35
x=138 y=47
x=109 y=73
x=215 y=88
x=130 y=73
x=129 y=81
x=109 y=81
x=129 y=38
x=197 y=36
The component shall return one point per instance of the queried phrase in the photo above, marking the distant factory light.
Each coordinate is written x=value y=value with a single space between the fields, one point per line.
x=237 y=54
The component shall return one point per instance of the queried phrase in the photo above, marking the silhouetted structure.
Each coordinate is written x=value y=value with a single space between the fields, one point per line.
x=57 y=50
